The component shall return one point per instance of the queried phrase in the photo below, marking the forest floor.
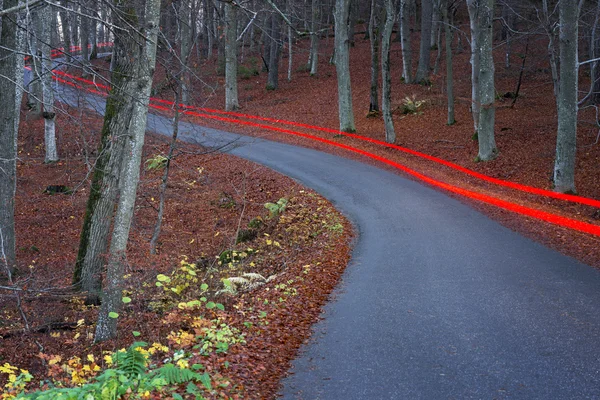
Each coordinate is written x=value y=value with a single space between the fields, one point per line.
x=211 y=196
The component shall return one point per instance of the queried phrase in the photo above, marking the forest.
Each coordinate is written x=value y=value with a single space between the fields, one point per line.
x=142 y=264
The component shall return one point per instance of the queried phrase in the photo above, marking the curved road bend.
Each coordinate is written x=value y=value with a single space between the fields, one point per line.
x=438 y=301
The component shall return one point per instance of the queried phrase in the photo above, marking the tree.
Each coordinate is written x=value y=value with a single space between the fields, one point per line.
x=485 y=128
x=473 y=7
x=342 y=66
x=47 y=90
x=126 y=108
x=231 y=89
x=425 y=46
x=314 y=36
x=405 y=7
x=449 y=78
x=138 y=57
x=386 y=90
x=374 y=41
x=11 y=82
x=274 y=51
x=564 y=166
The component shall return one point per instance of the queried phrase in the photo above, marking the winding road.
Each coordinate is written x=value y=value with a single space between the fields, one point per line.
x=438 y=301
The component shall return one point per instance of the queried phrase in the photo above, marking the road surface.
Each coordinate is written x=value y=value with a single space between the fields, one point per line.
x=438 y=301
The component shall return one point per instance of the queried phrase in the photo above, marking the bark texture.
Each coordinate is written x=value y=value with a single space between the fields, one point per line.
x=425 y=46
x=314 y=36
x=342 y=66
x=485 y=131
x=386 y=89
x=231 y=64
x=473 y=7
x=11 y=82
x=564 y=166
x=405 y=7
x=138 y=87
x=449 y=78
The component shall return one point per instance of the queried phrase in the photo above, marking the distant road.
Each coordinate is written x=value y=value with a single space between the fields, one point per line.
x=438 y=301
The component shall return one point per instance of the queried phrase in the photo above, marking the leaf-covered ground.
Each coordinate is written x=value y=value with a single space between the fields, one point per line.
x=280 y=276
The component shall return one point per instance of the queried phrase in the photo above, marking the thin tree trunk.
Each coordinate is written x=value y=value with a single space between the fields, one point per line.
x=314 y=37
x=165 y=178
x=139 y=87
x=11 y=83
x=405 y=8
x=65 y=21
x=425 y=45
x=566 y=141
x=231 y=48
x=550 y=31
x=386 y=89
x=473 y=7
x=485 y=131
x=290 y=49
x=185 y=49
x=34 y=92
x=342 y=66
x=274 y=50
x=48 y=93
x=374 y=41
x=85 y=41
x=449 y=72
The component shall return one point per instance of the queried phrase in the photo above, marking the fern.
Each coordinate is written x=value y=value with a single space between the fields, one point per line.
x=132 y=362
x=174 y=375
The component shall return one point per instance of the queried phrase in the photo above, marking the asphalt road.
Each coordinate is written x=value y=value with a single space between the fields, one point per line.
x=438 y=301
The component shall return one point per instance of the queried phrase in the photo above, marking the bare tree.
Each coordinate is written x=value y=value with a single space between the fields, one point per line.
x=405 y=12
x=231 y=62
x=11 y=82
x=374 y=35
x=138 y=56
x=485 y=130
x=47 y=90
x=386 y=90
x=449 y=78
x=564 y=166
x=425 y=46
x=314 y=36
x=342 y=66
x=473 y=7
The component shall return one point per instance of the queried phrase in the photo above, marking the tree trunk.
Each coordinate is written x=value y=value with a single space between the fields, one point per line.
x=185 y=49
x=386 y=89
x=449 y=77
x=65 y=21
x=564 y=166
x=11 y=83
x=425 y=45
x=549 y=26
x=231 y=47
x=84 y=32
x=473 y=7
x=274 y=50
x=314 y=36
x=142 y=51
x=405 y=8
x=485 y=131
x=34 y=90
x=47 y=91
x=374 y=41
x=342 y=66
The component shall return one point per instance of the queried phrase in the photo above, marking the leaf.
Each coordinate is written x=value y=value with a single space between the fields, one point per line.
x=220 y=306
x=126 y=300
x=205 y=379
x=204 y=287
x=177 y=396
x=113 y=314
x=136 y=333
x=210 y=305
x=163 y=278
